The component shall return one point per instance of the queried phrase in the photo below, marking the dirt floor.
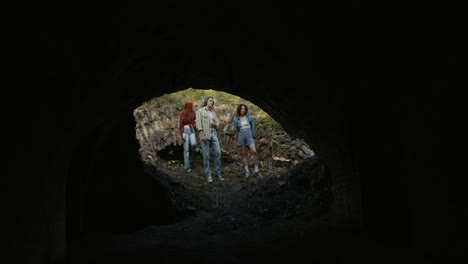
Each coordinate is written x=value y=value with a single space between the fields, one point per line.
x=282 y=216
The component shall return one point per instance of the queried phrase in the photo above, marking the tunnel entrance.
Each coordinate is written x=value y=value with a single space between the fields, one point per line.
x=163 y=198
x=280 y=156
x=161 y=143
x=294 y=189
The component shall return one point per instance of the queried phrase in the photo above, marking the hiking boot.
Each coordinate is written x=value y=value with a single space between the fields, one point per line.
x=220 y=178
x=258 y=174
x=247 y=174
x=210 y=179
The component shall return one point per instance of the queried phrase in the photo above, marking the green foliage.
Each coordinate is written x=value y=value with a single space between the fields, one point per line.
x=263 y=121
x=175 y=163
x=266 y=123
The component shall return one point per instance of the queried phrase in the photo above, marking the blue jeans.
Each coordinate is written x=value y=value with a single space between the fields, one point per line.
x=214 y=143
x=189 y=141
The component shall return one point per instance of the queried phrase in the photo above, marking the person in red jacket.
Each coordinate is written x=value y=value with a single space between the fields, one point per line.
x=187 y=130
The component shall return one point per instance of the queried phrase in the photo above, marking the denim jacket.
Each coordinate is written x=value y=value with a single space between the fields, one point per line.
x=251 y=123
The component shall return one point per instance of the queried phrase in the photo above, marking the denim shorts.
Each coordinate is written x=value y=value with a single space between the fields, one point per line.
x=245 y=137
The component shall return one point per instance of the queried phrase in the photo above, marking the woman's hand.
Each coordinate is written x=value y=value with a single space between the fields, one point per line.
x=202 y=136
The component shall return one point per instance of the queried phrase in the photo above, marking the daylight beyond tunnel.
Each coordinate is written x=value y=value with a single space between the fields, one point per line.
x=157 y=130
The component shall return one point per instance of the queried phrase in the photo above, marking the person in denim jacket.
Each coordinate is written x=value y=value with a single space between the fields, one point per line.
x=245 y=127
x=207 y=122
x=187 y=132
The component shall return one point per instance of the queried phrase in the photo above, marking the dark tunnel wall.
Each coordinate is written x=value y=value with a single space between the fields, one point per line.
x=108 y=189
x=361 y=99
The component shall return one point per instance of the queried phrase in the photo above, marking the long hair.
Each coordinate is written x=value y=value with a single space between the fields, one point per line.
x=239 y=109
x=205 y=102
x=188 y=114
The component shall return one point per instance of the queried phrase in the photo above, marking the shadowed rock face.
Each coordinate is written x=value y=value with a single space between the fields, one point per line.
x=323 y=75
x=157 y=131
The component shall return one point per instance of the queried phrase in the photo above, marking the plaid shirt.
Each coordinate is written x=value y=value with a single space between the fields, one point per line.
x=203 y=121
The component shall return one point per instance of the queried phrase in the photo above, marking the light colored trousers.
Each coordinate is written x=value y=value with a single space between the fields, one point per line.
x=214 y=143
x=189 y=141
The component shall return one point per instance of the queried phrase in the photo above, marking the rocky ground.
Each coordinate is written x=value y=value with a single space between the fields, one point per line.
x=282 y=216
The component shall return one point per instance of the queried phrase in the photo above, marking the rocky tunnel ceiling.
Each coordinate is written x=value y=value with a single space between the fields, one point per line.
x=307 y=84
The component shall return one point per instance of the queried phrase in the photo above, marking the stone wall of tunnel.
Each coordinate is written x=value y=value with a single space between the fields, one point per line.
x=320 y=116
x=358 y=107
x=323 y=125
